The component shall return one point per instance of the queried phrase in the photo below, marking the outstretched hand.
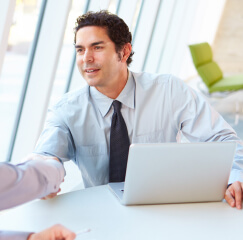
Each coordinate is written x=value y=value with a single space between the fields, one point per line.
x=56 y=232
x=234 y=194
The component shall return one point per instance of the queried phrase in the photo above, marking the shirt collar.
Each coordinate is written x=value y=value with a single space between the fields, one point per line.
x=126 y=96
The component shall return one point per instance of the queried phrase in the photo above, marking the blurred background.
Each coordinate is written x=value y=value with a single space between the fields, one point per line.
x=37 y=57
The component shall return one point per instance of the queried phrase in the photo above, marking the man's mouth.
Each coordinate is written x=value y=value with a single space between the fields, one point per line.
x=91 y=70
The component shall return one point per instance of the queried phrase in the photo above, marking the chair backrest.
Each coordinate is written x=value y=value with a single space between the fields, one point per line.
x=202 y=57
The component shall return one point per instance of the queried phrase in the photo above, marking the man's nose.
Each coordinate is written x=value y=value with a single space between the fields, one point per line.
x=88 y=56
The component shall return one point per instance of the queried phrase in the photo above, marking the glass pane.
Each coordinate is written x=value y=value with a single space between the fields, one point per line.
x=14 y=67
x=66 y=56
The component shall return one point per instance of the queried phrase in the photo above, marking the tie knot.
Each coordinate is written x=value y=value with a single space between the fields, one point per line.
x=117 y=106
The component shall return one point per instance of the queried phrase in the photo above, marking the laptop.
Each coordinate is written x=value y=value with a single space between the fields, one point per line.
x=161 y=173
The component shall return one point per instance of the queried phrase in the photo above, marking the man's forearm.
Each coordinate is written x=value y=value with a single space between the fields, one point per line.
x=13 y=235
x=29 y=180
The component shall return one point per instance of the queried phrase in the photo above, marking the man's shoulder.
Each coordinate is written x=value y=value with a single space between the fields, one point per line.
x=146 y=78
x=74 y=97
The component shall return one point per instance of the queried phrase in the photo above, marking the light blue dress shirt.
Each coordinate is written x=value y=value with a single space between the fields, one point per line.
x=156 y=108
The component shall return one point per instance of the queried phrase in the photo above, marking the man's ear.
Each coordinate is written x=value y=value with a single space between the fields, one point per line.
x=126 y=52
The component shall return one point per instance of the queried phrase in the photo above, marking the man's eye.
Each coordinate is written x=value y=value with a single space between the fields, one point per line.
x=98 y=47
x=80 y=50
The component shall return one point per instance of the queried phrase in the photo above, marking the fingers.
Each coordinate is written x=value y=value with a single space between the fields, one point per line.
x=34 y=156
x=68 y=235
x=62 y=232
x=238 y=194
x=229 y=198
x=51 y=195
x=234 y=195
x=54 y=233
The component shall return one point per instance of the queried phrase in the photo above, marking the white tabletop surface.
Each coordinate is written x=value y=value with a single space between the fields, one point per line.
x=98 y=209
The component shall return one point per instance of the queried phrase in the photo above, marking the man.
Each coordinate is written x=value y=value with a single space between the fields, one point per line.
x=148 y=108
x=25 y=182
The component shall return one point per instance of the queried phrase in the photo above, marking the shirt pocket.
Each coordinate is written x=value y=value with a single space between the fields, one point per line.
x=93 y=161
x=92 y=150
x=153 y=137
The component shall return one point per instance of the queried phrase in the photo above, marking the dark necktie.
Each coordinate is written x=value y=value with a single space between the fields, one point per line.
x=119 y=145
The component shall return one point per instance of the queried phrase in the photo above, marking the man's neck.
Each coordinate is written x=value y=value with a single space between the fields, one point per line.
x=114 y=91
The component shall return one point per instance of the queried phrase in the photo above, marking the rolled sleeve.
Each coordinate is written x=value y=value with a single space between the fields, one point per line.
x=199 y=122
x=56 y=139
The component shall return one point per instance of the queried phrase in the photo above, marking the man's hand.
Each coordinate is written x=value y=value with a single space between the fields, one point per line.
x=34 y=156
x=55 y=232
x=51 y=195
x=234 y=195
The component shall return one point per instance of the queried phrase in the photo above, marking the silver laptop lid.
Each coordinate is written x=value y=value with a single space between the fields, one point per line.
x=175 y=173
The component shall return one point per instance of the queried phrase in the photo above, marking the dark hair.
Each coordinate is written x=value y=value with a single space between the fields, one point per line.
x=117 y=29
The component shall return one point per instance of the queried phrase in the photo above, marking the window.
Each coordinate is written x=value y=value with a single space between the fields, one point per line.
x=15 y=62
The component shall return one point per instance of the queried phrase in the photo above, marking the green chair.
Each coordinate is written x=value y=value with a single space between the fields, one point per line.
x=210 y=72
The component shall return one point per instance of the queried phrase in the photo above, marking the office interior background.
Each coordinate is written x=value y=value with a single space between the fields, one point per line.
x=37 y=57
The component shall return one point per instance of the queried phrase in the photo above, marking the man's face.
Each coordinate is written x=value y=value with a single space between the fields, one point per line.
x=97 y=59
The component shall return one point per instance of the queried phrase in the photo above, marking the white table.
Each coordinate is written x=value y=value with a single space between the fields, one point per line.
x=97 y=208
